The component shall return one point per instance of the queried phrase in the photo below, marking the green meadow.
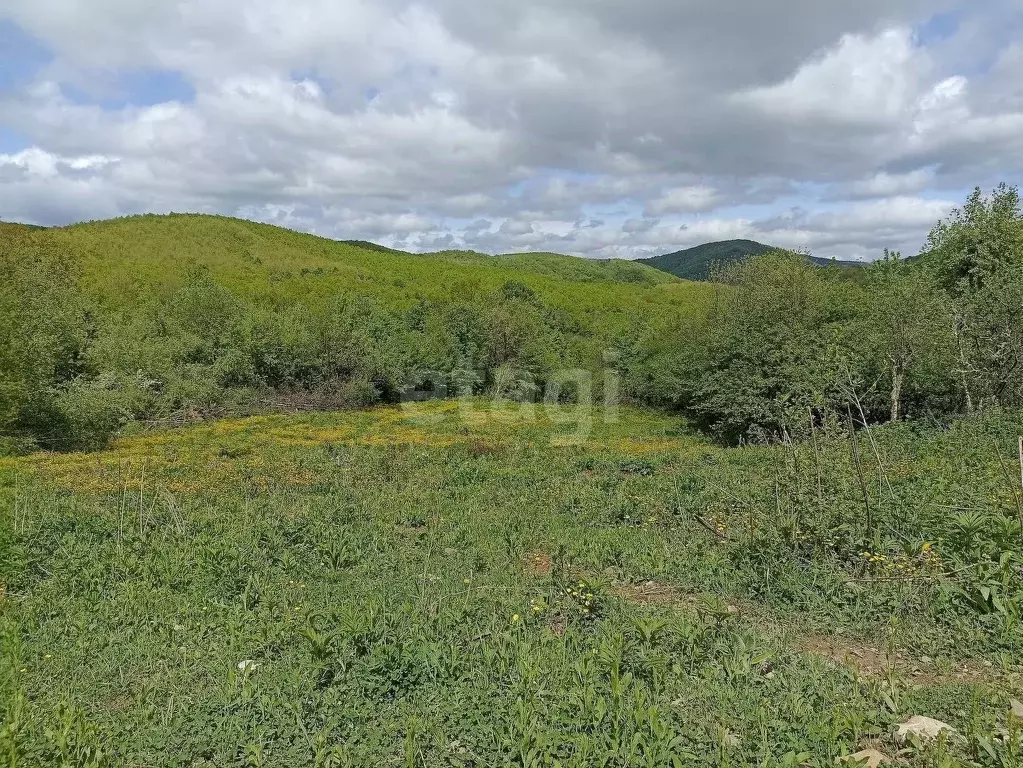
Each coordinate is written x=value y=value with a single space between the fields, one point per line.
x=472 y=583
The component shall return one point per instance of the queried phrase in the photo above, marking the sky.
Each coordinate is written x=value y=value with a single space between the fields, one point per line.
x=601 y=128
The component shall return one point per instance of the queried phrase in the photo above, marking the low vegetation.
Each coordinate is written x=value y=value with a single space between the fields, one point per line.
x=470 y=584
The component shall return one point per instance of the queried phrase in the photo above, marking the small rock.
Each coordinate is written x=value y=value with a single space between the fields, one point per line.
x=870 y=758
x=922 y=727
x=926 y=659
x=1016 y=708
x=730 y=740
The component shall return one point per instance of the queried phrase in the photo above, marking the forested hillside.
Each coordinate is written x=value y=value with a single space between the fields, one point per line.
x=699 y=262
x=151 y=318
x=696 y=263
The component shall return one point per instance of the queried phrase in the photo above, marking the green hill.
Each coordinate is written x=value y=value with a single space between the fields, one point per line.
x=122 y=261
x=145 y=317
x=696 y=263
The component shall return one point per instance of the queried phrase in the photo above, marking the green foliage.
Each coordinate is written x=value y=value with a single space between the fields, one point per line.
x=370 y=587
x=45 y=327
x=770 y=349
x=775 y=346
x=977 y=256
x=903 y=341
x=785 y=343
x=153 y=318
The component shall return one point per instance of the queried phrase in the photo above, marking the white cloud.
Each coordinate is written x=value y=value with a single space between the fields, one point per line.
x=684 y=200
x=863 y=80
x=36 y=163
x=884 y=184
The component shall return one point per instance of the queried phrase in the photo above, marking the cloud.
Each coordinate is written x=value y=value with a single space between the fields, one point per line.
x=610 y=128
x=512 y=228
x=884 y=184
x=879 y=79
x=684 y=200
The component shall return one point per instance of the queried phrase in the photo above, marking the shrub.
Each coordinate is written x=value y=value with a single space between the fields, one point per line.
x=45 y=329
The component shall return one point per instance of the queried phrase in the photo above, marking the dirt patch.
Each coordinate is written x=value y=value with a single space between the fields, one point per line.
x=407 y=531
x=480 y=448
x=537 y=563
x=872 y=661
x=866 y=659
x=650 y=593
x=558 y=624
x=120 y=703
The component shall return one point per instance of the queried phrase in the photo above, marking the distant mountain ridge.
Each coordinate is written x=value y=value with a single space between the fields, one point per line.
x=696 y=263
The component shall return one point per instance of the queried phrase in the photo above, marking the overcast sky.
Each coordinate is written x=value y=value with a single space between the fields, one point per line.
x=595 y=127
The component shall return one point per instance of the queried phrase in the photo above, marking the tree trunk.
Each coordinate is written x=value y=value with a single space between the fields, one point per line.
x=898 y=376
x=957 y=328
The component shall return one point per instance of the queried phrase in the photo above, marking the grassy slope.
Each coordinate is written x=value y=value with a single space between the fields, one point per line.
x=123 y=260
x=399 y=577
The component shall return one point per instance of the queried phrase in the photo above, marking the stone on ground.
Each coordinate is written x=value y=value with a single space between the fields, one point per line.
x=925 y=728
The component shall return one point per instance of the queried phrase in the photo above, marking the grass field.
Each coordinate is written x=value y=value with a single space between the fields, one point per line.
x=474 y=585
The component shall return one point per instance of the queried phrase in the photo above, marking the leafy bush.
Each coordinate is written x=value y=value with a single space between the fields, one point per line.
x=977 y=257
x=785 y=343
x=44 y=330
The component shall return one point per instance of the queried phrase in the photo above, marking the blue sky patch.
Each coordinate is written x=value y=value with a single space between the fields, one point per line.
x=139 y=88
x=12 y=141
x=21 y=55
x=938 y=28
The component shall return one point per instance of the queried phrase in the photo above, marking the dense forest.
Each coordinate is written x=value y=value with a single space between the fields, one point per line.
x=161 y=318
x=699 y=262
